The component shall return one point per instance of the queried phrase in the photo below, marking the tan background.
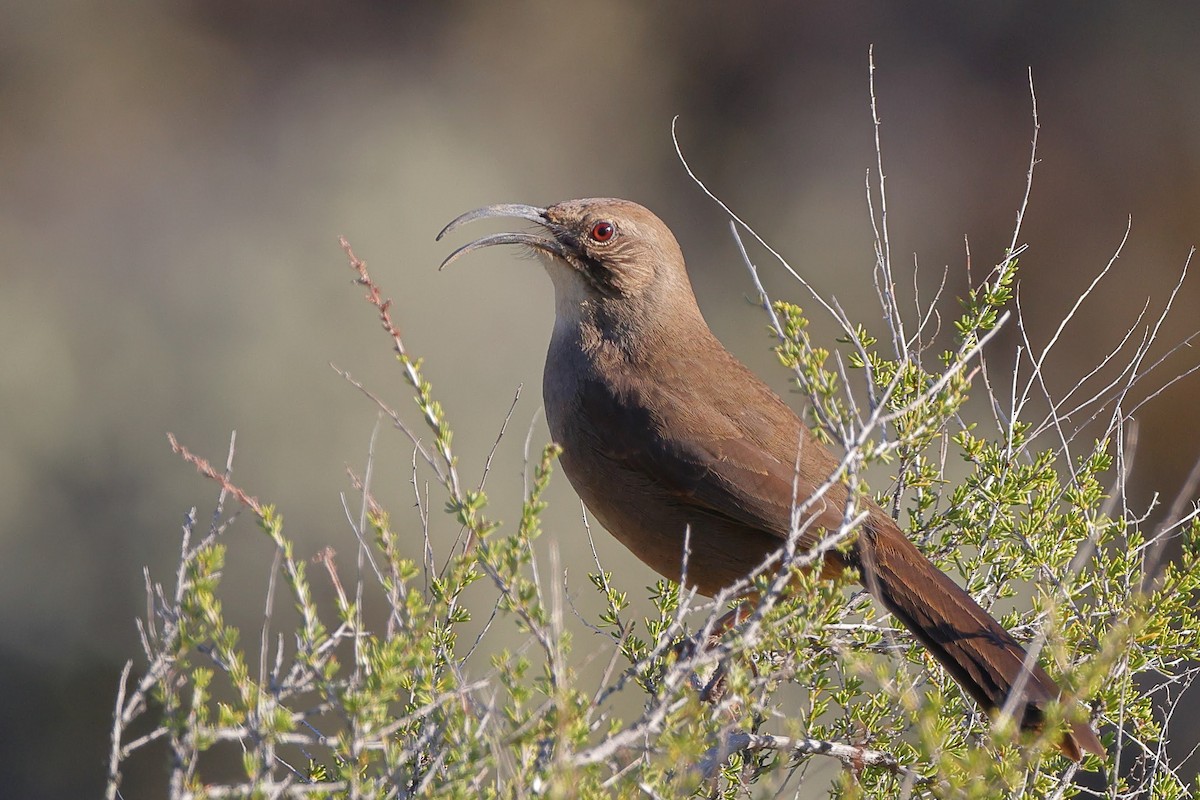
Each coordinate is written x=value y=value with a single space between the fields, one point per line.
x=173 y=177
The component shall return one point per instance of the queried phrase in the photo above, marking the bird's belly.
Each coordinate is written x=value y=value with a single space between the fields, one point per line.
x=703 y=551
x=676 y=539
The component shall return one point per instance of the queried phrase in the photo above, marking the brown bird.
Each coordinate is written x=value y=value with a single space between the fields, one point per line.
x=666 y=436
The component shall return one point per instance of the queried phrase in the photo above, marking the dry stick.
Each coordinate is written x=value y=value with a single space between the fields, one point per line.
x=1153 y=335
x=1012 y=246
x=778 y=256
x=850 y=755
x=268 y=612
x=118 y=727
x=364 y=551
x=883 y=245
x=1055 y=416
x=487 y=464
x=399 y=423
x=396 y=584
x=204 y=468
x=1037 y=373
x=1186 y=494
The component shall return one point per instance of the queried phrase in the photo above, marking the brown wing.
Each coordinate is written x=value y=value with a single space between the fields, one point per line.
x=737 y=462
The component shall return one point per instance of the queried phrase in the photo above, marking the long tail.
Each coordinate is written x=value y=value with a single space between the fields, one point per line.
x=969 y=643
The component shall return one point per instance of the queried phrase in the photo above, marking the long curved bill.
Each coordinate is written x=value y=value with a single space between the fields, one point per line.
x=531 y=213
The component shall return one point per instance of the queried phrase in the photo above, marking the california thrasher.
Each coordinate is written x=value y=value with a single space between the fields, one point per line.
x=666 y=436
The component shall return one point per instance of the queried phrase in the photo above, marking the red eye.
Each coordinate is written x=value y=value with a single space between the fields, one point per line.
x=603 y=231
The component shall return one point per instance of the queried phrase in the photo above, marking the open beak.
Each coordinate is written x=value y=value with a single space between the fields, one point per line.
x=531 y=213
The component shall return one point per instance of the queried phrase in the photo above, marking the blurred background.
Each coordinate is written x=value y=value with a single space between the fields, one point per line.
x=174 y=177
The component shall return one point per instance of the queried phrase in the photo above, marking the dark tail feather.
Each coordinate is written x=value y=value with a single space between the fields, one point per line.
x=981 y=656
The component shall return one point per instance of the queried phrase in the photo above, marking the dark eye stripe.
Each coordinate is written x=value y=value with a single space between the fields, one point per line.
x=599 y=275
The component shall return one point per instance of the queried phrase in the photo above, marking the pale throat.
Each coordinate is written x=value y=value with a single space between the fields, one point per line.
x=574 y=299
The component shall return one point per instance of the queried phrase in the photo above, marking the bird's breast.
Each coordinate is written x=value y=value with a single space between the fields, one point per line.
x=623 y=463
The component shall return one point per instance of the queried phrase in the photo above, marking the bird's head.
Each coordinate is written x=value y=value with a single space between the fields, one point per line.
x=602 y=253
